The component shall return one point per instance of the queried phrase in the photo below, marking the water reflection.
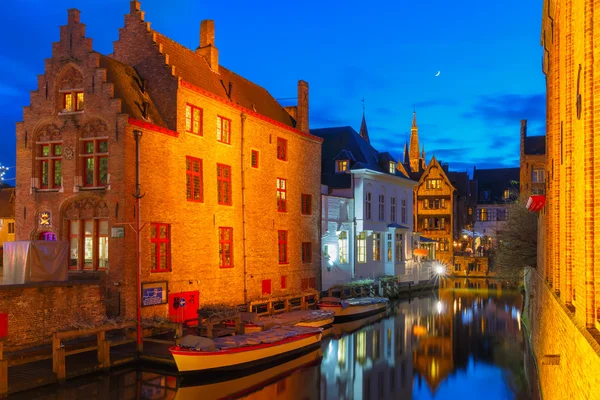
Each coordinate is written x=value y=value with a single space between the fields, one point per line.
x=448 y=345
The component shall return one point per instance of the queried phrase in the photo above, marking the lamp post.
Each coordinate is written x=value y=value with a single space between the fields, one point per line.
x=138 y=135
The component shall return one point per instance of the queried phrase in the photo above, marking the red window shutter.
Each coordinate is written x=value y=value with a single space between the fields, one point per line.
x=311 y=283
x=283 y=282
x=266 y=286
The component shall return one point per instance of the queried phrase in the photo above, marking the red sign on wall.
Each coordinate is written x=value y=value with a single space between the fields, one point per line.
x=183 y=307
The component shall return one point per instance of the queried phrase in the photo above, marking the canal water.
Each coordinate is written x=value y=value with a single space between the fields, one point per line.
x=449 y=344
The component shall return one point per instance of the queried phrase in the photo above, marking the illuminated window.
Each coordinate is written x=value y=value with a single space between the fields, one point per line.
x=361 y=244
x=368 y=206
x=160 y=247
x=537 y=176
x=72 y=101
x=95 y=162
x=470 y=210
x=281 y=195
x=194 y=183
x=381 y=207
x=224 y=184
x=88 y=244
x=483 y=214
x=225 y=247
x=306 y=204
x=282 y=244
x=392 y=167
x=342 y=166
x=254 y=161
x=281 y=149
x=393 y=209
x=306 y=252
x=389 y=247
x=193 y=119
x=223 y=130
x=376 y=246
x=399 y=247
x=433 y=183
x=403 y=211
x=506 y=194
x=11 y=228
x=49 y=160
x=343 y=247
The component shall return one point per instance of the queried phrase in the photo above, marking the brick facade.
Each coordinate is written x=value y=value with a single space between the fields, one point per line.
x=152 y=99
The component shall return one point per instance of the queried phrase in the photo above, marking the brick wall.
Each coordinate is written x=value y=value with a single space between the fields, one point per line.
x=35 y=311
x=555 y=332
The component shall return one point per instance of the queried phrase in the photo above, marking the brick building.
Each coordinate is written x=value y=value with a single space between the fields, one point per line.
x=564 y=291
x=230 y=209
x=7 y=218
x=532 y=162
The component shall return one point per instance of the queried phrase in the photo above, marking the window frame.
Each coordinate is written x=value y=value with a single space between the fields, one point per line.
x=376 y=246
x=283 y=282
x=433 y=184
x=368 y=204
x=361 y=248
x=392 y=167
x=220 y=130
x=11 y=228
x=306 y=252
x=222 y=242
x=190 y=174
x=381 y=210
x=281 y=195
x=50 y=162
x=403 y=211
x=282 y=246
x=306 y=204
x=343 y=247
x=191 y=120
x=393 y=209
x=81 y=239
x=282 y=149
x=158 y=240
x=399 y=247
x=254 y=156
x=341 y=166
x=73 y=94
x=221 y=181
x=96 y=156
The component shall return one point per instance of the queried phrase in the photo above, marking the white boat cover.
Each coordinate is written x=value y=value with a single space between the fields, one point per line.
x=294 y=317
x=251 y=339
x=357 y=301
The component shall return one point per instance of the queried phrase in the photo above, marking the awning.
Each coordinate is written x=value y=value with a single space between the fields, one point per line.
x=397 y=226
x=426 y=240
x=536 y=203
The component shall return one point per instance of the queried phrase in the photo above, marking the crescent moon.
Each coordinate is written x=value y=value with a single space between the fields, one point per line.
x=438 y=73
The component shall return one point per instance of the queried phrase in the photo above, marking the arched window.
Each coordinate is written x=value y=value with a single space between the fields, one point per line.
x=48 y=157
x=87 y=229
x=71 y=91
x=94 y=154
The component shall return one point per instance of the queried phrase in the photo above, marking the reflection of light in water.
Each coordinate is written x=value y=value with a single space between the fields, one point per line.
x=361 y=347
x=341 y=352
x=454 y=306
x=519 y=319
x=467 y=316
x=434 y=369
x=439 y=307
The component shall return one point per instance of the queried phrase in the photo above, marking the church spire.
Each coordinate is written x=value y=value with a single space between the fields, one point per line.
x=364 y=133
x=414 y=144
x=406 y=156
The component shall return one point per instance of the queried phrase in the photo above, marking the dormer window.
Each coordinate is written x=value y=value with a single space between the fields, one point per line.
x=342 y=166
x=506 y=194
x=70 y=91
x=392 y=167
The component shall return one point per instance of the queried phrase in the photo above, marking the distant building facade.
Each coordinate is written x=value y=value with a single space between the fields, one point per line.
x=231 y=208
x=7 y=218
x=367 y=227
x=532 y=163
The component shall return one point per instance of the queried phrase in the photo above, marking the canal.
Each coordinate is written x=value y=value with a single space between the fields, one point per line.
x=447 y=344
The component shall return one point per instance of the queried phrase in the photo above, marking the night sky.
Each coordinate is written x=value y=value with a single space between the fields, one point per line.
x=387 y=52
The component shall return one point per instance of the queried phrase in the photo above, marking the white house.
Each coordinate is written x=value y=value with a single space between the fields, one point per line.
x=367 y=224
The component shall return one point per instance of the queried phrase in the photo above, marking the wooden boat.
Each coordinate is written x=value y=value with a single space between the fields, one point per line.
x=219 y=387
x=310 y=318
x=353 y=308
x=230 y=353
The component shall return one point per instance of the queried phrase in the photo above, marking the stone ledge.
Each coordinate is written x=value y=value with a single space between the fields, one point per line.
x=48 y=284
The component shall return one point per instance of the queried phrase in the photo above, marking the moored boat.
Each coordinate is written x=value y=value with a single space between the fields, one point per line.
x=310 y=318
x=354 y=307
x=199 y=354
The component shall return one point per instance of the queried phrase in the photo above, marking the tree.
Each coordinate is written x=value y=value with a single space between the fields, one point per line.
x=517 y=248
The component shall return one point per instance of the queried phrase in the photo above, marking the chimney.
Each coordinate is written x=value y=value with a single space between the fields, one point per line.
x=523 y=134
x=302 y=120
x=73 y=16
x=207 y=47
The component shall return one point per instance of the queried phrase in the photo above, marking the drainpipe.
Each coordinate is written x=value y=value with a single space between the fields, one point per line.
x=138 y=135
x=243 y=120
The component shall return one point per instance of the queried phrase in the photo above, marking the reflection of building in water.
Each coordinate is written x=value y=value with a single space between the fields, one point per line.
x=494 y=286
x=373 y=363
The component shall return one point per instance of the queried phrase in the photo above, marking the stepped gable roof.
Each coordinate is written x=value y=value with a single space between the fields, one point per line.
x=7 y=203
x=128 y=88
x=495 y=181
x=535 y=145
x=193 y=68
x=345 y=140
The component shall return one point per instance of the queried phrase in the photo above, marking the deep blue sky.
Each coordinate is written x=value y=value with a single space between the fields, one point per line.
x=385 y=51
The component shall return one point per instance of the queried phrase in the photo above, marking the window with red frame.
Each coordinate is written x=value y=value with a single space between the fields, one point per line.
x=308 y=283
x=281 y=195
x=225 y=247
x=160 y=247
x=193 y=119
x=194 y=182
x=266 y=286
x=95 y=162
x=50 y=164
x=72 y=101
x=306 y=252
x=223 y=130
x=88 y=244
x=283 y=282
x=224 y=184
x=282 y=241
x=254 y=159
x=281 y=149
x=306 y=204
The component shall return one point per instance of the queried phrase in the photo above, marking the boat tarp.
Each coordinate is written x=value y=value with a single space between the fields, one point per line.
x=197 y=342
x=254 y=339
x=35 y=261
x=294 y=317
x=363 y=301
